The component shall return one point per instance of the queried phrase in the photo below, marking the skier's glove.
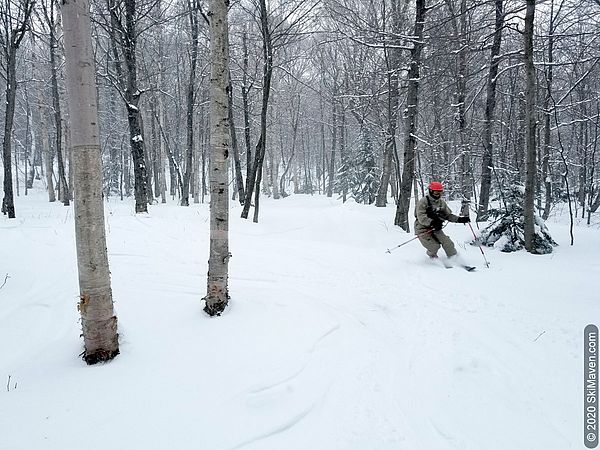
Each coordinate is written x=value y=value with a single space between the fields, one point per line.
x=465 y=219
x=437 y=224
x=435 y=214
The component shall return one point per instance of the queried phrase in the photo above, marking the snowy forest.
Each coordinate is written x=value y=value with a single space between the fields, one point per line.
x=344 y=98
x=293 y=142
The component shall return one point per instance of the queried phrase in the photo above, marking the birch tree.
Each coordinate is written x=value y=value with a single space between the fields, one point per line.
x=217 y=295
x=95 y=305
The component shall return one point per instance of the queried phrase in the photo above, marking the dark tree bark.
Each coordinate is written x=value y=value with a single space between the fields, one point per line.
x=239 y=180
x=15 y=23
x=410 y=120
x=255 y=177
x=548 y=105
x=47 y=155
x=124 y=39
x=530 y=129
x=490 y=108
x=63 y=190
x=334 y=130
x=287 y=165
x=246 y=105
x=190 y=98
x=393 y=60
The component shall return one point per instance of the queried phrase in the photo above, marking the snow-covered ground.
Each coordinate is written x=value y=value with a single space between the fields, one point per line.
x=329 y=341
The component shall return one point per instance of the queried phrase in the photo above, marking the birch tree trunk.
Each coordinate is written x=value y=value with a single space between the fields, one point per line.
x=217 y=295
x=530 y=126
x=95 y=306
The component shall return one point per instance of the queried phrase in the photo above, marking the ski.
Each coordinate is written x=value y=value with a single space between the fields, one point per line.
x=448 y=264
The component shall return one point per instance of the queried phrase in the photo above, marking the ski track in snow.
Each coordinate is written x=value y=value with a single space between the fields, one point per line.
x=328 y=342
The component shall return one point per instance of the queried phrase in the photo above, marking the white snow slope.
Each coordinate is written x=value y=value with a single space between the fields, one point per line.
x=329 y=341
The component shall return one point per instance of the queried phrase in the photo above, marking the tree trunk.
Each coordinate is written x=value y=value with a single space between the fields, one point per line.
x=287 y=166
x=548 y=106
x=254 y=180
x=331 y=170
x=201 y=130
x=29 y=145
x=8 y=202
x=149 y=162
x=47 y=155
x=342 y=148
x=246 y=106
x=95 y=306
x=459 y=26
x=530 y=127
x=274 y=171
x=129 y=84
x=63 y=191
x=410 y=124
x=16 y=25
x=239 y=180
x=323 y=158
x=187 y=176
x=466 y=175
x=217 y=286
x=393 y=61
x=488 y=122
x=157 y=170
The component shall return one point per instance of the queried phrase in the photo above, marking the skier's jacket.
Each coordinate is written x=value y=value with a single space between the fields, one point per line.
x=427 y=209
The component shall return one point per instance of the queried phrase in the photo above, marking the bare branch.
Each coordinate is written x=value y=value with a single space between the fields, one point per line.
x=6 y=277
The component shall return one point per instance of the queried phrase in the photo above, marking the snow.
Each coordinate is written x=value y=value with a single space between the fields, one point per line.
x=329 y=341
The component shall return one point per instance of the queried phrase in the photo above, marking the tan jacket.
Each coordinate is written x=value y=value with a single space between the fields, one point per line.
x=439 y=207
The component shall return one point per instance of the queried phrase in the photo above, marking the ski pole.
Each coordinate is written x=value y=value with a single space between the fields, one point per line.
x=410 y=240
x=487 y=264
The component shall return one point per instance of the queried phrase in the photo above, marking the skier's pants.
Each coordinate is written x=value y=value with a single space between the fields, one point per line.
x=433 y=241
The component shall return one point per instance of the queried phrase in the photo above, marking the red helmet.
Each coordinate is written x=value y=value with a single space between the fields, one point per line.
x=436 y=186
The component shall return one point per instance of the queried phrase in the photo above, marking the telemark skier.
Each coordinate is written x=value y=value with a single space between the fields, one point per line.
x=431 y=212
